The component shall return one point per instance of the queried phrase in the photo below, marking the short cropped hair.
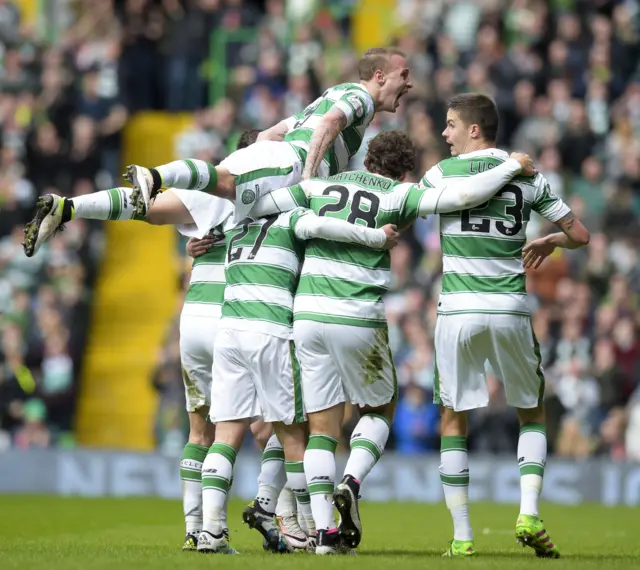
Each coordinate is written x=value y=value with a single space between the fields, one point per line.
x=390 y=154
x=247 y=138
x=477 y=109
x=374 y=59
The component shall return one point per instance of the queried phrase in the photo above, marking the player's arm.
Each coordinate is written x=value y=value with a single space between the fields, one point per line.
x=307 y=225
x=281 y=200
x=324 y=135
x=352 y=106
x=453 y=195
x=278 y=131
x=572 y=234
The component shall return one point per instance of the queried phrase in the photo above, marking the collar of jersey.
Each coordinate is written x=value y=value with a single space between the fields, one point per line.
x=498 y=153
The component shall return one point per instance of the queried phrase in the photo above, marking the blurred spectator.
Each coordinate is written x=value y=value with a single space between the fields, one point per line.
x=415 y=425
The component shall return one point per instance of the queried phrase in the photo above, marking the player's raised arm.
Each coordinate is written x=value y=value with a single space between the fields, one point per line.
x=451 y=196
x=307 y=225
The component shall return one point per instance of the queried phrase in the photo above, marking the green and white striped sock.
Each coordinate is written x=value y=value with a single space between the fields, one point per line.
x=190 y=174
x=320 y=471
x=532 y=455
x=191 y=476
x=454 y=474
x=367 y=445
x=272 y=476
x=297 y=482
x=113 y=204
x=217 y=472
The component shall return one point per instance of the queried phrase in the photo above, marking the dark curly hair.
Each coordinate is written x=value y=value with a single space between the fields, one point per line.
x=390 y=154
x=247 y=138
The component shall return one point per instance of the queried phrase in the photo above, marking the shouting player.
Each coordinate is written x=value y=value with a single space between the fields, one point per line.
x=320 y=140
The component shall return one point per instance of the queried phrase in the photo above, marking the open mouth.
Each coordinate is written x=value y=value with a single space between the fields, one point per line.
x=399 y=96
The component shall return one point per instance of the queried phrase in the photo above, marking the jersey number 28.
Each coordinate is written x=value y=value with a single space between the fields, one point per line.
x=356 y=212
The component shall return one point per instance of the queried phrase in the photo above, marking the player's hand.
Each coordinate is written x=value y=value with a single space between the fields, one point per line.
x=535 y=252
x=526 y=163
x=197 y=247
x=393 y=237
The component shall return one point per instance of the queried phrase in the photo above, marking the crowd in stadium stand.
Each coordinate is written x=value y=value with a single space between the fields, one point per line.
x=566 y=79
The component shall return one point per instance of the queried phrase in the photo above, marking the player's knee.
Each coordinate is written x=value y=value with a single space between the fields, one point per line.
x=531 y=415
x=261 y=432
x=387 y=411
x=201 y=432
x=226 y=186
x=293 y=439
x=231 y=432
x=327 y=422
x=452 y=423
x=156 y=217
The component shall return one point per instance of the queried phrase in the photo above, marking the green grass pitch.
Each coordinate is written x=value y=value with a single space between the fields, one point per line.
x=105 y=534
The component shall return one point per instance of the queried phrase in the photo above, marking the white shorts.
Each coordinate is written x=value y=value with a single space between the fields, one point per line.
x=465 y=342
x=342 y=363
x=259 y=169
x=197 y=335
x=206 y=210
x=255 y=375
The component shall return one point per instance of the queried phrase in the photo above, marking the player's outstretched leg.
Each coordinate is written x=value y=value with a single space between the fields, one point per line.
x=368 y=440
x=53 y=211
x=454 y=475
x=183 y=174
x=260 y=513
x=532 y=453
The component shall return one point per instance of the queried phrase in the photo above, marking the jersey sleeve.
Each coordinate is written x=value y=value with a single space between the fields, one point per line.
x=281 y=200
x=357 y=105
x=306 y=225
x=546 y=203
x=410 y=208
x=295 y=215
x=432 y=177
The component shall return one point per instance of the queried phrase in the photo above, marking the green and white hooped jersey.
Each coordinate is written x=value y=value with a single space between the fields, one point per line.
x=262 y=269
x=356 y=103
x=482 y=247
x=206 y=287
x=344 y=283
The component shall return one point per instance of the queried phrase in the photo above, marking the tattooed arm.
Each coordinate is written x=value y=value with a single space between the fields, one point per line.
x=331 y=125
x=572 y=236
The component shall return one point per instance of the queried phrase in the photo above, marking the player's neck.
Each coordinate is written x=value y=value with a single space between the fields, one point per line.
x=374 y=90
x=474 y=146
